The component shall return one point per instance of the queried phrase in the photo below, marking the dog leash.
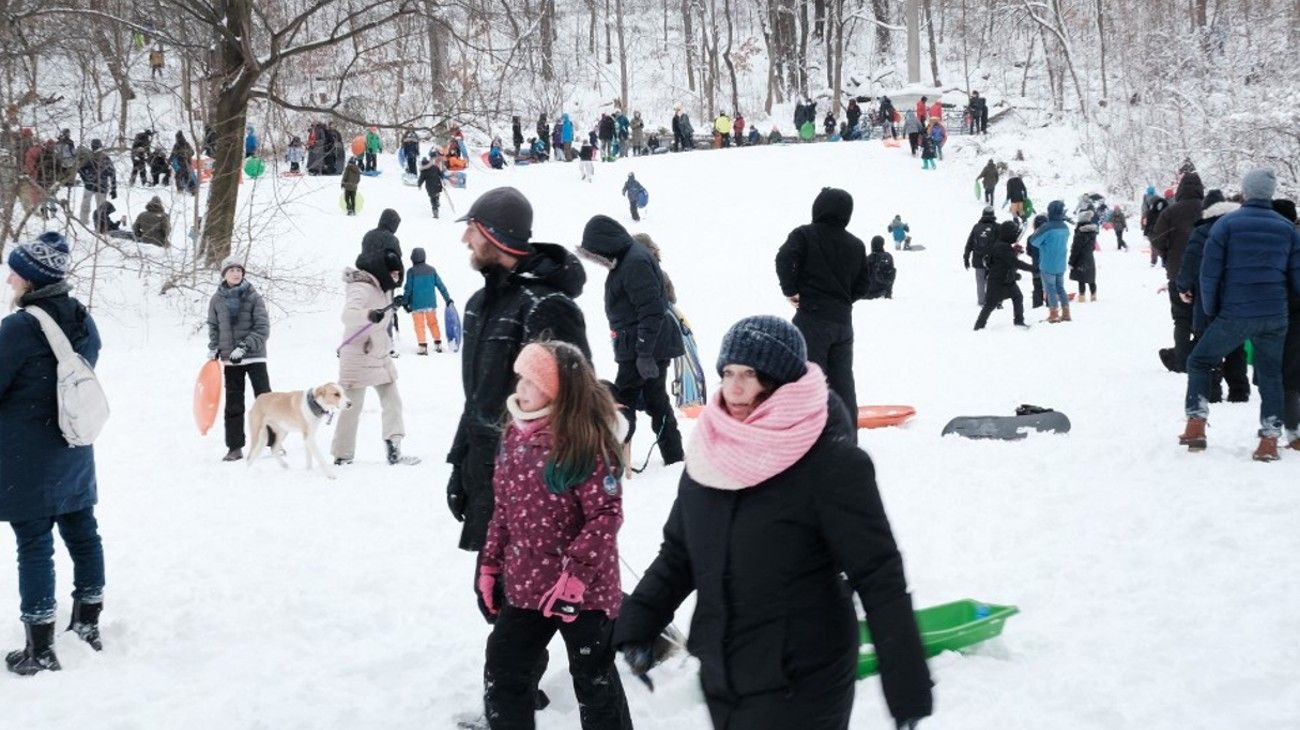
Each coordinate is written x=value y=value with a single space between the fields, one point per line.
x=339 y=350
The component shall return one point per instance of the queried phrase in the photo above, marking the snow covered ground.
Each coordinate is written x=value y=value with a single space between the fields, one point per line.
x=1156 y=588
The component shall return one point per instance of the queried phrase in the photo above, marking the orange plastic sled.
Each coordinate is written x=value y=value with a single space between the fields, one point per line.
x=692 y=411
x=207 y=396
x=881 y=416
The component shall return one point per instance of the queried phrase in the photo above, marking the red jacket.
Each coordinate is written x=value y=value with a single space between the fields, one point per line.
x=534 y=535
x=936 y=110
x=920 y=110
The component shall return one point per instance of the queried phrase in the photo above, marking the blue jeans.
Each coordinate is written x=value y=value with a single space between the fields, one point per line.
x=1224 y=335
x=80 y=534
x=1054 y=289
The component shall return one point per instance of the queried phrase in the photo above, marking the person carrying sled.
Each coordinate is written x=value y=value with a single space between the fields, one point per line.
x=238 y=328
x=776 y=506
x=43 y=480
x=1004 y=266
x=365 y=357
x=645 y=339
x=634 y=191
x=1083 y=261
x=351 y=180
x=550 y=561
x=1017 y=194
x=374 y=145
x=880 y=271
x=420 y=298
x=822 y=269
x=431 y=180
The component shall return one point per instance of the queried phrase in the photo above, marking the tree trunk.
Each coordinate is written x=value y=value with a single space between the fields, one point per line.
x=231 y=112
x=591 y=30
x=689 y=36
x=731 y=67
x=622 y=56
x=609 y=40
x=803 y=47
x=547 y=28
x=1101 y=47
x=883 y=38
x=438 y=64
x=835 y=39
x=934 y=51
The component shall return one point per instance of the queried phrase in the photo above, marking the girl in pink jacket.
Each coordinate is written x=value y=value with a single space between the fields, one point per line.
x=550 y=562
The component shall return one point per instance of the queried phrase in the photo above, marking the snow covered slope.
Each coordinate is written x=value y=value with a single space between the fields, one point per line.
x=1156 y=587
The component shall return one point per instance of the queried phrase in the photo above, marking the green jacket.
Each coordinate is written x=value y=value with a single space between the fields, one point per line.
x=373 y=143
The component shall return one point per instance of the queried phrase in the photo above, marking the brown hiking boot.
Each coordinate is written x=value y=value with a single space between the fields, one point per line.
x=1194 y=435
x=1065 y=313
x=1267 y=449
x=1053 y=316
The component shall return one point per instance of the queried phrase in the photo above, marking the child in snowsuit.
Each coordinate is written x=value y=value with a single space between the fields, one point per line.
x=295 y=155
x=420 y=298
x=411 y=150
x=586 y=154
x=898 y=229
x=431 y=180
x=351 y=179
x=1003 y=264
x=1083 y=264
x=929 y=149
x=550 y=561
x=880 y=270
x=633 y=190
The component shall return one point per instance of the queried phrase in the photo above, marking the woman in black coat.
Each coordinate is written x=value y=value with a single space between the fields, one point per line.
x=44 y=481
x=763 y=543
x=1083 y=261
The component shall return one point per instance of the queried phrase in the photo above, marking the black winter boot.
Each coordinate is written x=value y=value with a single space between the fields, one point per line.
x=85 y=622
x=395 y=454
x=38 y=655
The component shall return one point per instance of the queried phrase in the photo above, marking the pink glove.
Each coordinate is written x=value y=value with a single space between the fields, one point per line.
x=487 y=590
x=565 y=599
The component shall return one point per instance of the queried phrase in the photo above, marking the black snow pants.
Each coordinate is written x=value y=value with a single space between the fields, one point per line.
x=634 y=393
x=256 y=372
x=830 y=345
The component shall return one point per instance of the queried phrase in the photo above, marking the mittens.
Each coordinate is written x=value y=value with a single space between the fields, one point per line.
x=565 y=599
x=237 y=355
x=489 y=591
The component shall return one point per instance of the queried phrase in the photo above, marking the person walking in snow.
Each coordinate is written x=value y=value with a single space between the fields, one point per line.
x=140 y=156
x=431 y=180
x=1172 y=230
x=775 y=507
x=645 y=339
x=99 y=178
x=988 y=178
x=351 y=180
x=586 y=154
x=682 y=129
x=420 y=298
x=528 y=292
x=1291 y=348
x=722 y=126
x=294 y=155
x=899 y=230
x=913 y=129
x=634 y=191
x=1119 y=222
x=978 y=245
x=1250 y=271
x=550 y=562
x=43 y=480
x=880 y=271
x=822 y=269
x=374 y=145
x=940 y=135
x=516 y=134
x=1004 y=267
x=1083 y=262
x=1017 y=194
x=365 y=357
x=181 y=163
x=250 y=143
x=238 y=328
x=885 y=115
x=411 y=150
x=979 y=113
x=929 y=148
x=637 y=126
x=1053 y=242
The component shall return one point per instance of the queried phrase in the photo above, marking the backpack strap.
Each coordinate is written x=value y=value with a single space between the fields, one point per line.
x=53 y=333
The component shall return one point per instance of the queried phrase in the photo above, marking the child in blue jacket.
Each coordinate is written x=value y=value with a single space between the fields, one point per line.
x=420 y=298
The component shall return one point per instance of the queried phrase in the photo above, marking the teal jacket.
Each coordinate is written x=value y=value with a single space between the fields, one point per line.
x=421 y=282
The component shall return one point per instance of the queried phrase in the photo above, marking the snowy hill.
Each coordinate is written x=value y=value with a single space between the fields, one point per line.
x=1152 y=583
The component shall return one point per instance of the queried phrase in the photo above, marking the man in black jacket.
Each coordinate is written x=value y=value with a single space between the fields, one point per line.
x=1003 y=266
x=981 y=239
x=382 y=240
x=527 y=294
x=645 y=338
x=823 y=271
x=1169 y=237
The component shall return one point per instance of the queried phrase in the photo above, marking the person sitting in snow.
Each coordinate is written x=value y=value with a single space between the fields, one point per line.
x=880 y=271
x=899 y=230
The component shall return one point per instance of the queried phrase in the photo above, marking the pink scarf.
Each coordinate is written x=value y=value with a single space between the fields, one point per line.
x=725 y=453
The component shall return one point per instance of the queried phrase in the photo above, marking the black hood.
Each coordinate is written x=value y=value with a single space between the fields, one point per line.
x=389 y=220
x=606 y=238
x=877 y=244
x=378 y=264
x=988 y=218
x=1190 y=188
x=417 y=256
x=551 y=264
x=833 y=207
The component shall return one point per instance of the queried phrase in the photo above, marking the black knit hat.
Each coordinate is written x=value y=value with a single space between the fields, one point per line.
x=768 y=344
x=506 y=218
x=1008 y=232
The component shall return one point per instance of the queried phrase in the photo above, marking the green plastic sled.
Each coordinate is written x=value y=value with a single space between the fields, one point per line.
x=946 y=627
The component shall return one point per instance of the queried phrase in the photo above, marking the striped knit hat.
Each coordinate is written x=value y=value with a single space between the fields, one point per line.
x=43 y=261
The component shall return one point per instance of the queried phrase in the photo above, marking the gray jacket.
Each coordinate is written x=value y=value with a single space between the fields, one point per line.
x=237 y=318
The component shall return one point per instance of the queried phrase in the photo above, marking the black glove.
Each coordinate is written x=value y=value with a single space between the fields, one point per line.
x=640 y=658
x=647 y=368
x=376 y=315
x=399 y=300
x=456 y=495
x=113 y=195
x=967 y=263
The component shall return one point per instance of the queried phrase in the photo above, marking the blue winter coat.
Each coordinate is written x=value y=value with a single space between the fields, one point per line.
x=422 y=285
x=566 y=129
x=1053 y=240
x=1251 y=259
x=250 y=143
x=40 y=475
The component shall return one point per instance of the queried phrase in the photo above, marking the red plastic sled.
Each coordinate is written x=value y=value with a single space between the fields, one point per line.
x=207 y=396
x=881 y=416
x=692 y=410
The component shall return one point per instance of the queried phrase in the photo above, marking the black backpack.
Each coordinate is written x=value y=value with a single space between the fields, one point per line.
x=880 y=279
x=983 y=241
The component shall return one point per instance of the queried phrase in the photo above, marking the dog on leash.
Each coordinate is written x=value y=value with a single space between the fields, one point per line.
x=301 y=411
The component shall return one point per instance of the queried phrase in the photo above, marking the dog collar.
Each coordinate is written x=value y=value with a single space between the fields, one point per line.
x=316 y=409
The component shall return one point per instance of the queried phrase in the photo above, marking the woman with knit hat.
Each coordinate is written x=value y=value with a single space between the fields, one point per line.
x=550 y=562
x=775 y=504
x=43 y=480
x=238 y=328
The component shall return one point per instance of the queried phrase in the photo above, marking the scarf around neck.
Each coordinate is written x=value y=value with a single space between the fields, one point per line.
x=725 y=453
